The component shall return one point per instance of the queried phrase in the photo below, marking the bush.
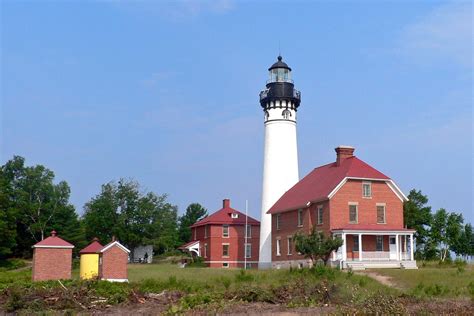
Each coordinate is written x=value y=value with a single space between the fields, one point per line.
x=11 y=264
x=244 y=276
x=14 y=299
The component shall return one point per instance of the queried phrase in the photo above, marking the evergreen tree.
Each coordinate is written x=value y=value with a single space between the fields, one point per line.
x=417 y=215
x=194 y=213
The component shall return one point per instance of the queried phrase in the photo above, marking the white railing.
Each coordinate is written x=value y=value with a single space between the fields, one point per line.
x=375 y=255
x=405 y=256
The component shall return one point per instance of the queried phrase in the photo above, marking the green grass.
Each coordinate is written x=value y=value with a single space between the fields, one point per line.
x=201 y=287
x=434 y=280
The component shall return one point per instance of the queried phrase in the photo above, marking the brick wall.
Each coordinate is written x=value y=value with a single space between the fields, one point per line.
x=51 y=264
x=351 y=191
x=336 y=215
x=215 y=241
x=114 y=264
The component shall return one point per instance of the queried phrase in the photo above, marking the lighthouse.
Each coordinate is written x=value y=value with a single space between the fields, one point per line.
x=280 y=101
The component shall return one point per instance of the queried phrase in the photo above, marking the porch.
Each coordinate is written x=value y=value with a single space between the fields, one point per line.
x=375 y=249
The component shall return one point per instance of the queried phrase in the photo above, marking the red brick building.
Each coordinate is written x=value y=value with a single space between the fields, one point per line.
x=221 y=240
x=113 y=262
x=52 y=259
x=352 y=200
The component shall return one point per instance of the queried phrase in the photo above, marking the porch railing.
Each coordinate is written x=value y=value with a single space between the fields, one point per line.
x=375 y=255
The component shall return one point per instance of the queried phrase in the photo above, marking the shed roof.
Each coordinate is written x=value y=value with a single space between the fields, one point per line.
x=53 y=241
x=94 y=247
x=114 y=243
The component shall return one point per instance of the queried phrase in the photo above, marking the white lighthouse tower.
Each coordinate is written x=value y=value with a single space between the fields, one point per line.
x=280 y=101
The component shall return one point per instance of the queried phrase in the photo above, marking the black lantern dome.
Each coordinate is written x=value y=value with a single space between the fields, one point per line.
x=280 y=86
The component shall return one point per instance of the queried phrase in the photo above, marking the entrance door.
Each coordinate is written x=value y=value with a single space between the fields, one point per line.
x=393 y=248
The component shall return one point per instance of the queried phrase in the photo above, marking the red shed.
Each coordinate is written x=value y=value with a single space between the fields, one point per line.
x=113 y=262
x=52 y=259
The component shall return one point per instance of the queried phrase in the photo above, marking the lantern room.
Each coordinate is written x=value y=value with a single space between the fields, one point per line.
x=280 y=72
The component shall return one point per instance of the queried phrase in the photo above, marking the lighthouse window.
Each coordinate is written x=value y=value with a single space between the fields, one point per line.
x=286 y=114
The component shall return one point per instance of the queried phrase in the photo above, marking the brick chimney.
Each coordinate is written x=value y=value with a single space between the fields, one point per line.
x=343 y=152
x=225 y=203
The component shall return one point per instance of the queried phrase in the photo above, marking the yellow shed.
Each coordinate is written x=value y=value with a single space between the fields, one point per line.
x=89 y=268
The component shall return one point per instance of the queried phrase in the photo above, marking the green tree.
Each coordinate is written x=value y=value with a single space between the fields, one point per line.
x=454 y=230
x=417 y=215
x=316 y=245
x=7 y=217
x=38 y=203
x=438 y=232
x=122 y=210
x=194 y=213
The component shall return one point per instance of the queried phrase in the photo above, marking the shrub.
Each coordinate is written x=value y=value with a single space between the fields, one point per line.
x=244 y=276
x=470 y=288
x=14 y=299
x=11 y=264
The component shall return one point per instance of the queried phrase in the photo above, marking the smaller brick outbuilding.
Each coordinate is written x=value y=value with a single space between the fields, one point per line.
x=52 y=259
x=113 y=262
x=90 y=260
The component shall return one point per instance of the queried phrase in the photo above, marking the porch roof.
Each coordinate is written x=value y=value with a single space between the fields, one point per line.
x=372 y=229
x=189 y=245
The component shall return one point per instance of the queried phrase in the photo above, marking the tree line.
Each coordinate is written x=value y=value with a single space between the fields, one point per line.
x=32 y=205
x=437 y=234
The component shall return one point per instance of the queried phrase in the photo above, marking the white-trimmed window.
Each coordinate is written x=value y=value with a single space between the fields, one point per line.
x=381 y=214
x=379 y=243
x=248 y=265
x=225 y=231
x=320 y=214
x=290 y=245
x=225 y=264
x=248 y=250
x=278 y=219
x=249 y=231
x=353 y=213
x=366 y=189
x=234 y=215
x=205 y=250
x=225 y=250
x=300 y=217
x=278 y=247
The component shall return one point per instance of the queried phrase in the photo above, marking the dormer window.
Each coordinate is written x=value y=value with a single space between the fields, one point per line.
x=234 y=215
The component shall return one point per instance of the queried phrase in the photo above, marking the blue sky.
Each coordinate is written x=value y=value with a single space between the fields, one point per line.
x=167 y=92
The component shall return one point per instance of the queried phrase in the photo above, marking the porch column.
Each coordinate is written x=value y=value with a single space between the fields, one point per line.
x=344 y=247
x=411 y=247
x=360 y=247
x=397 y=247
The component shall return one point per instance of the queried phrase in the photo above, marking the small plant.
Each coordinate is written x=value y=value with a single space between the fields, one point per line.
x=470 y=289
x=244 y=276
x=363 y=281
x=226 y=282
x=350 y=273
x=15 y=299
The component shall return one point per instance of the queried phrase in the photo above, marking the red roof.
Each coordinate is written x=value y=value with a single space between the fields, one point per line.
x=317 y=185
x=53 y=241
x=93 y=247
x=224 y=216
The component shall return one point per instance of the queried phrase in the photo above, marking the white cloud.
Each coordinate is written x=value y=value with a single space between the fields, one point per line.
x=444 y=34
